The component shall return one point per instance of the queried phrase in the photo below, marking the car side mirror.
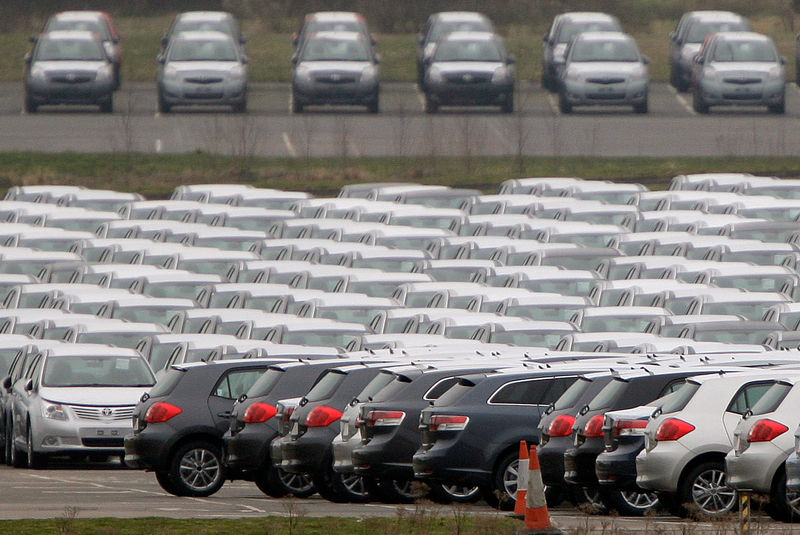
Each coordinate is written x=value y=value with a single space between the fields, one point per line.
x=377 y=58
x=699 y=59
x=373 y=39
x=243 y=39
x=29 y=385
x=116 y=40
x=294 y=59
x=28 y=58
x=645 y=60
x=510 y=60
x=783 y=60
x=164 y=41
x=673 y=36
x=295 y=39
x=161 y=59
x=245 y=60
x=7 y=383
x=420 y=39
x=33 y=38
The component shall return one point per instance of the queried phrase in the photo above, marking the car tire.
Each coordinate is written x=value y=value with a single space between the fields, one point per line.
x=341 y=487
x=107 y=104
x=16 y=457
x=504 y=481
x=680 y=84
x=698 y=103
x=640 y=107
x=30 y=105
x=705 y=491
x=297 y=107
x=35 y=459
x=197 y=469
x=269 y=483
x=784 y=505
x=165 y=482
x=431 y=106
x=395 y=490
x=779 y=108
x=373 y=104
x=298 y=485
x=588 y=498
x=446 y=493
x=241 y=106
x=564 y=105
x=508 y=104
x=627 y=502
x=163 y=105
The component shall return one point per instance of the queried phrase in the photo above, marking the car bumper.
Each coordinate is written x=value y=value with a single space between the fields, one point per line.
x=79 y=93
x=248 y=450
x=446 y=461
x=54 y=437
x=343 y=451
x=617 y=469
x=551 y=460
x=177 y=94
x=385 y=455
x=148 y=450
x=579 y=463
x=755 y=468
x=585 y=94
x=306 y=453
x=660 y=468
x=480 y=94
x=737 y=94
x=343 y=94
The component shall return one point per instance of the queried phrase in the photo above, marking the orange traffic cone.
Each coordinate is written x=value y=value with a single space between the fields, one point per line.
x=537 y=519
x=522 y=481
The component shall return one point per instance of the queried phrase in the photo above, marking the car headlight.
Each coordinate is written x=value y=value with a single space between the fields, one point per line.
x=435 y=75
x=573 y=76
x=776 y=73
x=170 y=73
x=109 y=48
x=501 y=75
x=237 y=73
x=558 y=52
x=105 y=72
x=53 y=411
x=639 y=74
x=302 y=74
x=38 y=73
x=711 y=75
x=369 y=74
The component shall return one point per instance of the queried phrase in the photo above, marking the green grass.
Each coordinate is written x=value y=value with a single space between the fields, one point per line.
x=270 y=52
x=413 y=522
x=155 y=175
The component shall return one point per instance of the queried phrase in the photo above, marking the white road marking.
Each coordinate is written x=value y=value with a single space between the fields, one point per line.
x=253 y=509
x=159 y=145
x=421 y=99
x=681 y=100
x=551 y=100
x=287 y=142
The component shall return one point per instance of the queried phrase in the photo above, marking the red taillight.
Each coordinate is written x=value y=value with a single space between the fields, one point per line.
x=766 y=430
x=387 y=418
x=673 y=429
x=629 y=427
x=446 y=422
x=594 y=427
x=322 y=416
x=259 y=412
x=161 y=412
x=561 y=426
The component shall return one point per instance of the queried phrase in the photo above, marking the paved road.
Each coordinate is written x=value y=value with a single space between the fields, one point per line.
x=402 y=128
x=106 y=491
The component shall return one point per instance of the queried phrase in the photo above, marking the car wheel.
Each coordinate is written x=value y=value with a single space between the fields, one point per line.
x=197 y=470
x=705 y=490
x=297 y=107
x=673 y=76
x=587 y=498
x=166 y=483
x=640 y=107
x=680 y=84
x=269 y=483
x=698 y=104
x=504 y=481
x=779 y=108
x=446 y=493
x=431 y=106
x=784 y=505
x=563 y=104
x=17 y=458
x=395 y=490
x=340 y=487
x=241 y=106
x=508 y=104
x=373 y=105
x=107 y=104
x=163 y=106
x=35 y=459
x=30 y=105
x=298 y=485
x=628 y=502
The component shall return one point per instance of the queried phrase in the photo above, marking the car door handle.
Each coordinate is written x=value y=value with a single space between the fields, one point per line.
x=224 y=414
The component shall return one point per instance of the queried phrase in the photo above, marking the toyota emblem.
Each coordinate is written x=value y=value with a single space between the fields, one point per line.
x=467 y=78
x=335 y=77
x=107 y=412
x=71 y=77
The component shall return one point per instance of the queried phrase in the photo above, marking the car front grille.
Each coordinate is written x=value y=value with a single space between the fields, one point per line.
x=96 y=414
x=204 y=80
x=742 y=96
x=73 y=77
x=103 y=442
x=336 y=78
x=742 y=81
x=605 y=80
x=468 y=78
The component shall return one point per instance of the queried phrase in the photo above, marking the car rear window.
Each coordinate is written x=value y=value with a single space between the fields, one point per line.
x=237 y=382
x=454 y=393
x=772 y=398
x=570 y=397
x=608 y=394
x=265 y=383
x=326 y=385
x=677 y=400
x=379 y=383
x=167 y=383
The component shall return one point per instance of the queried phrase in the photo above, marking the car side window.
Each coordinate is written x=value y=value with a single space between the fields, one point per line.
x=748 y=395
x=35 y=369
x=520 y=393
x=237 y=382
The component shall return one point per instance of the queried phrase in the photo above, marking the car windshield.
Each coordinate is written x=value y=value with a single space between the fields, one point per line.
x=570 y=30
x=732 y=336
x=70 y=50
x=201 y=25
x=755 y=283
x=97 y=371
x=604 y=51
x=468 y=51
x=542 y=312
x=333 y=26
x=527 y=338
x=443 y=28
x=758 y=51
x=195 y=50
x=335 y=50
x=700 y=30
x=88 y=25
x=621 y=323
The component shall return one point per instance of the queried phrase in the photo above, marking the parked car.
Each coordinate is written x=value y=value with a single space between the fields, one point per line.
x=69 y=67
x=193 y=21
x=202 y=68
x=740 y=68
x=685 y=41
x=76 y=400
x=93 y=21
x=178 y=425
x=335 y=68
x=440 y=24
x=471 y=68
x=332 y=21
x=564 y=27
x=604 y=68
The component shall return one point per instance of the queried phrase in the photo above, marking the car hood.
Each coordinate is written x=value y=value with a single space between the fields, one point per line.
x=605 y=68
x=69 y=66
x=203 y=67
x=97 y=396
x=354 y=67
x=446 y=67
x=743 y=68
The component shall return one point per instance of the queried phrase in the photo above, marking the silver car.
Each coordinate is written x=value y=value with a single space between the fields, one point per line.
x=69 y=67
x=740 y=68
x=76 y=399
x=604 y=68
x=202 y=68
x=336 y=67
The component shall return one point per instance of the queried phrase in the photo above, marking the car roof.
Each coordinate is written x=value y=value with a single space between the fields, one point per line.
x=203 y=35
x=470 y=36
x=742 y=36
x=714 y=15
x=337 y=35
x=604 y=36
x=335 y=15
x=80 y=15
x=71 y=35
x=204 y=15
